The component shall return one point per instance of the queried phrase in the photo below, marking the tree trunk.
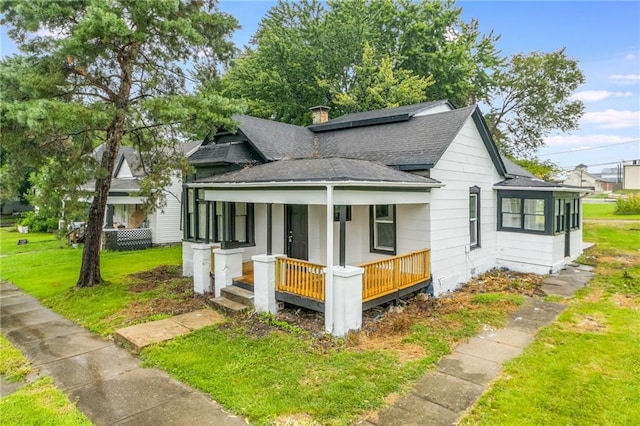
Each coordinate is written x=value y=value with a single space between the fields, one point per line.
x=90 y=269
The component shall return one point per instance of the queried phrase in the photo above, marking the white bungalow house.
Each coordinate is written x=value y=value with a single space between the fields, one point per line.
x=355 y=211
x=126 y=224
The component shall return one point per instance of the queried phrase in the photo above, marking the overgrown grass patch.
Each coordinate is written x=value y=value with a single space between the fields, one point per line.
x=13 y=366
x=585 y=368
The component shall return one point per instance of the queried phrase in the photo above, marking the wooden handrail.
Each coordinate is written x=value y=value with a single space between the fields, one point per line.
x=300 y=277
x=386 y=276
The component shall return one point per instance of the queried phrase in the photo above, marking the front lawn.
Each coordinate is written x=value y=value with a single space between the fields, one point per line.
x=47 y=268
x=259 y=366
x=273 y=371
x=584 y=368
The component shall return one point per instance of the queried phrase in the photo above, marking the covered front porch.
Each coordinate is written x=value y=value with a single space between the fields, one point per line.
x=337 y=247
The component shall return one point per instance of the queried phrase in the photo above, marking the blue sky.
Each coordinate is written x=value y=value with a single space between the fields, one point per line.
x=603 y=36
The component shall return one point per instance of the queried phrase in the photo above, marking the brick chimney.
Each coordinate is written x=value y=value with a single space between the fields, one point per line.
x=320 y=114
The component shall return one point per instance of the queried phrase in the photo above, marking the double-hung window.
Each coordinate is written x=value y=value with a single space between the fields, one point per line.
x=474 y=217
x=383 y=228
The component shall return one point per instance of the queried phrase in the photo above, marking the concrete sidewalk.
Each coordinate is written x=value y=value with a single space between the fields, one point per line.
x=106 y=382
x=441 y=397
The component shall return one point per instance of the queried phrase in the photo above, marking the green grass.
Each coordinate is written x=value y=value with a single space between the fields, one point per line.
x=48 y=269
x=604 y=211
x=585 y=368
x=288 y=374
x=13 y=366
x=40 y=404
x=37 y=403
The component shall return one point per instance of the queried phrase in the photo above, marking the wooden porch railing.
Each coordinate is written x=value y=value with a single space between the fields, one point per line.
x=385 y=276
x=300 y=277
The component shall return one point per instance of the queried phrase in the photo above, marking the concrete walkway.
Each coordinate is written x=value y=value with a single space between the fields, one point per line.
x=442 y=396
x=105 y=381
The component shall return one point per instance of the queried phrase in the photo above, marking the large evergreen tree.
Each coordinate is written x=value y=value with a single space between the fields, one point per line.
x=110 y=72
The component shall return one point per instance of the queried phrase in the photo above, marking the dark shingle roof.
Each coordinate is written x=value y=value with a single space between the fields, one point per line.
x=419 y=141
x=233 y=153
x=386 y=115
x=516 y=170
x=318 y=169
x=525 y=182
x=275 y=140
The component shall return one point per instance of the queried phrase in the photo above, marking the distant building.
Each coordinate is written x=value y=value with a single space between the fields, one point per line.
x=581 y=177
x=631 y=175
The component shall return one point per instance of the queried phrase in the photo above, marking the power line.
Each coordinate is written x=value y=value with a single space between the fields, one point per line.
x=589 y=149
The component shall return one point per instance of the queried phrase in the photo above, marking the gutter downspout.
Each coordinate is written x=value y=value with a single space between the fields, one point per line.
x=328 y=287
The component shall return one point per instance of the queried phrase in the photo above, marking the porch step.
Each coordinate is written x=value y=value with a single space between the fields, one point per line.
x=238 y=295
x=224 y=305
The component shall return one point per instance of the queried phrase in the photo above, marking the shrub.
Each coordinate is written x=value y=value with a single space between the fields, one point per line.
x=628 y=205
x=39 y=223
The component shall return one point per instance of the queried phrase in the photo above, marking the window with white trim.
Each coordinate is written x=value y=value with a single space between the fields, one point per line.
x=474 y=216
x=383 y=228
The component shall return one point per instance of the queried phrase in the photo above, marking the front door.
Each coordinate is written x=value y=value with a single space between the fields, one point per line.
x=297 y=231
x=567 y=230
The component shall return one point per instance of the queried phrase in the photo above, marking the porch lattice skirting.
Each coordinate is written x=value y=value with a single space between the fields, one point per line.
x=127 y=239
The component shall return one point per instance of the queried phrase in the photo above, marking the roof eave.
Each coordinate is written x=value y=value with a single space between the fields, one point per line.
x=546 y=188
x=316 y=183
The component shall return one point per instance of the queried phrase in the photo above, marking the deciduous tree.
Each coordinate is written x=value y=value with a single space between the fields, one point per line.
x=532 y=98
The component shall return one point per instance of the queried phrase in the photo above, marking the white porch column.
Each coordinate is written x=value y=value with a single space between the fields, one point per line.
x=187 y=259
x=228 y=265
x=264 y=283
x=347 y=299
x=201 y=268
x=328 y=288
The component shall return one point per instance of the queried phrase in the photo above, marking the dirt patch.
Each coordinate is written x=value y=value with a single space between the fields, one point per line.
x=406 y=352
x=295 y=420
x=595 y=295
x=625 y=301
x=155 y=278
x=173 y=296
x=386 y=327
x=586 y=323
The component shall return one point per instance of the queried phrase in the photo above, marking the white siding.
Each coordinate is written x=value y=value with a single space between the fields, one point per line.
x=165 y=224
x=539 y=254
x=465 y=163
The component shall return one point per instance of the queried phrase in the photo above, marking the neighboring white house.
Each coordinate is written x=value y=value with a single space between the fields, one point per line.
x=124 y=206
x=581 y=177
x=375 y=204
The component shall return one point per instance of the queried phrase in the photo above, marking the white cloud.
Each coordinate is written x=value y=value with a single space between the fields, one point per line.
x=630 y=56
x=581 y=142
x=627 y=77
x=612 y=119
x=598 y=95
